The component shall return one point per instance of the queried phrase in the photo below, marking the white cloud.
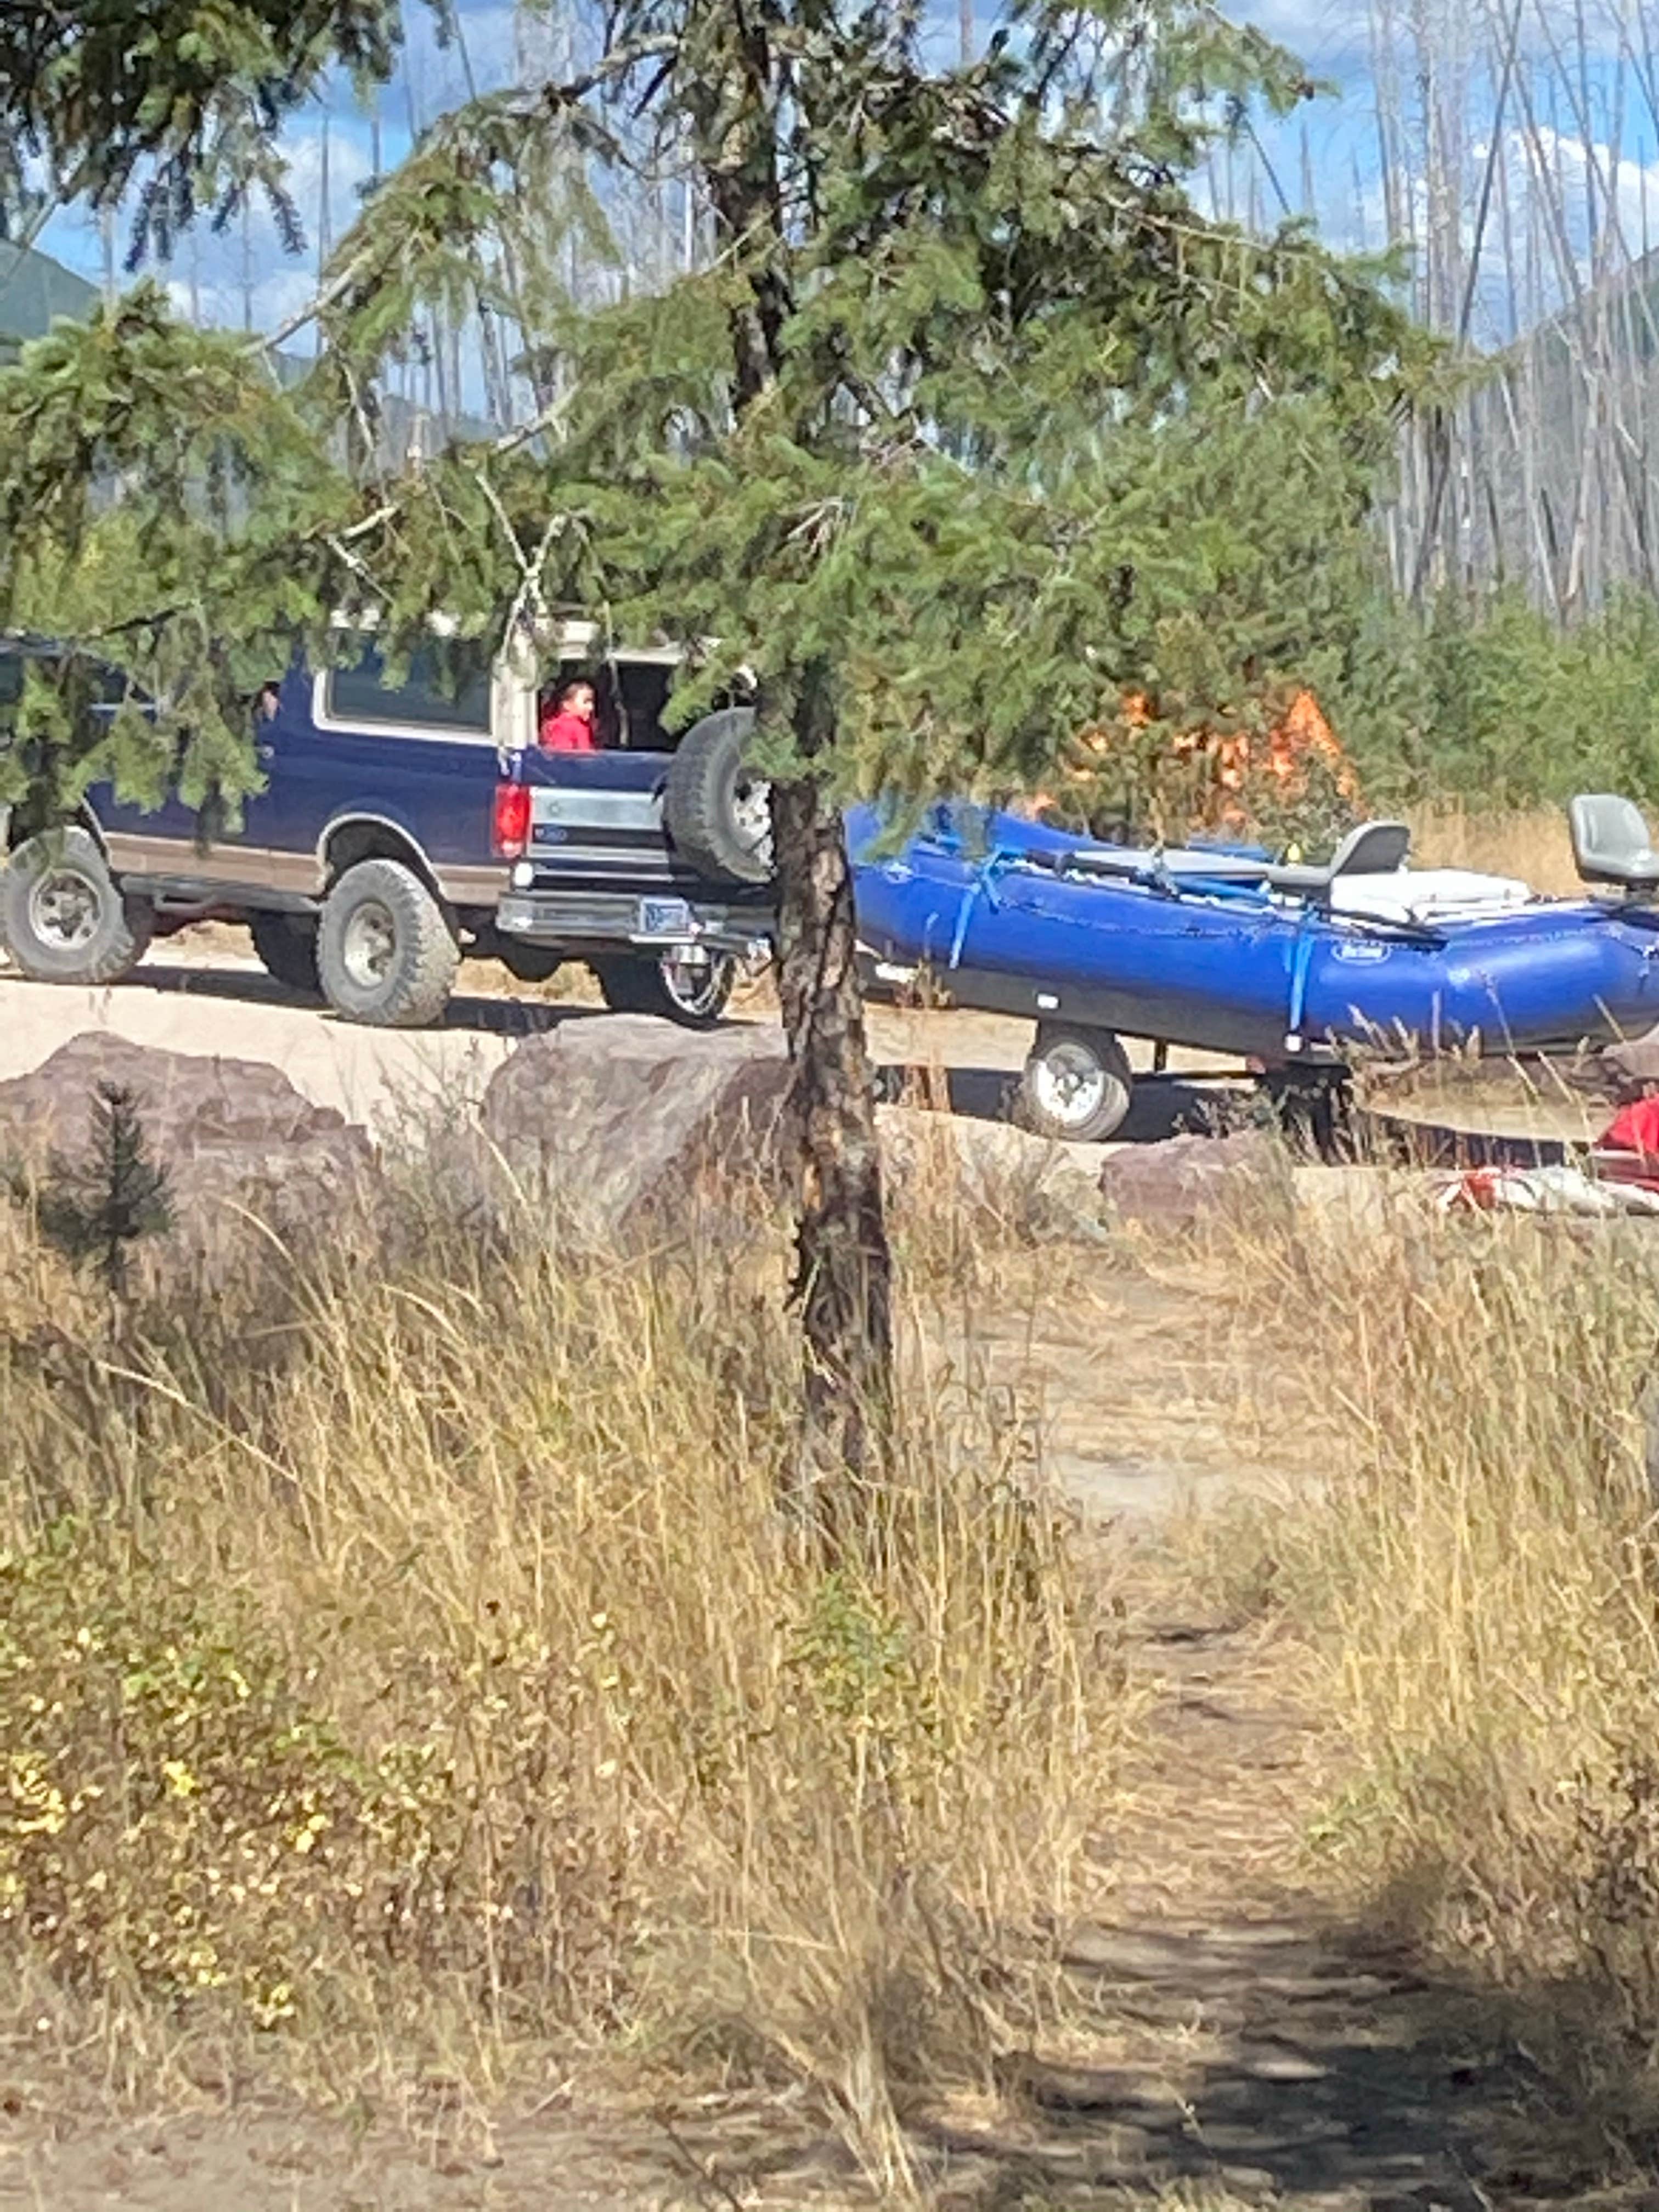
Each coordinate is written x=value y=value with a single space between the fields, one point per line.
x=1581 y=171
x=1324 y=33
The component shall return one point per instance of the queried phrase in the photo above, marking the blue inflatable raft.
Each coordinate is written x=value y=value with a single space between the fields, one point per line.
x=1286 y=967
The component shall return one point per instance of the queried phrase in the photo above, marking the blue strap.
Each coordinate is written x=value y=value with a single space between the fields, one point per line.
x=984 y=886
x=1306 y=941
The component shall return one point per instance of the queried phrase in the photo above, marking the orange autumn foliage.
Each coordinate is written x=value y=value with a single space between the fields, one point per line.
x=1225 y=776
x=1299 y=739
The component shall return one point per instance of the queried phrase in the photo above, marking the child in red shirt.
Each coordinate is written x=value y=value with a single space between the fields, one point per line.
x=567 y=724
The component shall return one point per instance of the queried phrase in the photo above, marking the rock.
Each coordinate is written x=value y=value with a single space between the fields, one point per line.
x=241 y=1147
x=1627 y=1070
x=629 y=1121
x=1026 y=1184
x=1181 y=1181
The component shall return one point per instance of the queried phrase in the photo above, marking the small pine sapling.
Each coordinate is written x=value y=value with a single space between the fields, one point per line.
x=96 y=1206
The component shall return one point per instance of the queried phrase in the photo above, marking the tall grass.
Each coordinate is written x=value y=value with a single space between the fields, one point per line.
x=1472 y=1588
x=1531 y=844
x=405 y=1664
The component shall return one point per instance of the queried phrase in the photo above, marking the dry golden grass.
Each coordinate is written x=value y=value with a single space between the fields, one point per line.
x=1470 y=1592
x=405 y=1667
x=1533 y=845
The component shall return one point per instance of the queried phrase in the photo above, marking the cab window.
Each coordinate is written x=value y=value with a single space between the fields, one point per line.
x=422 y=701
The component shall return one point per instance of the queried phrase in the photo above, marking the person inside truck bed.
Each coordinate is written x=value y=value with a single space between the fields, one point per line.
x=566 y=722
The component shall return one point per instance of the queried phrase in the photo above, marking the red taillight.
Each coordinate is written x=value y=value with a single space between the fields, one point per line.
x=510 y=832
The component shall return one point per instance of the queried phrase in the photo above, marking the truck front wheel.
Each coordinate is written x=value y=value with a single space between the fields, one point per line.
x=386 y=952
x=64 y=916
x=693 y=992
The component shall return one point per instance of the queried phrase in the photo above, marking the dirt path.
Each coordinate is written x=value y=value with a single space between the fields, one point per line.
x=209 y=996
x=1238 y=2045
x=1145 y=1394
x=1249 y=2045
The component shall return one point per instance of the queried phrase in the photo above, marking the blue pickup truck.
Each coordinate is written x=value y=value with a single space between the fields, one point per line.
x=402 y=826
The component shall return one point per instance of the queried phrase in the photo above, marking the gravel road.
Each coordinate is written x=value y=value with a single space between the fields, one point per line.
x=201 y=994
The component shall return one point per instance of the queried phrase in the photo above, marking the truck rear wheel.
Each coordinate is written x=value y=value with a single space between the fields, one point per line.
x=695 y=994
x=386 y=952
x=64 y=916
x=531 y=963
x=287 y=947
x=1076 y=1086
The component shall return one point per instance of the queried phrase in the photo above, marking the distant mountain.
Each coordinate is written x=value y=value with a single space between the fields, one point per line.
x=35 y=289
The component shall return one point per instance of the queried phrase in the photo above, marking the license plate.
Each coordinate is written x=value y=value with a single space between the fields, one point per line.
x=664 y=917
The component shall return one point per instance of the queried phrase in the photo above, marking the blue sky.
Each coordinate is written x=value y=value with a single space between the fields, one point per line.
x=1332 y=142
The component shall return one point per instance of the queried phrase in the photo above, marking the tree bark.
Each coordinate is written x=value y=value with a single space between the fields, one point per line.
x=843 y=1270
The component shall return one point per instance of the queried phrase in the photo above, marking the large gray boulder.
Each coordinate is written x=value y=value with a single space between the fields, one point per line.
x=624 y=1121
x=242 y=1150
x=1020 y=1185
x=1184 y=1181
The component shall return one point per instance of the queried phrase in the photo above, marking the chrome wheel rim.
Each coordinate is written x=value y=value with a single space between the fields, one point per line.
x=63 y=909
x=699 y=987
x=1069 y=1084
x=752 y=815
x=369 y=945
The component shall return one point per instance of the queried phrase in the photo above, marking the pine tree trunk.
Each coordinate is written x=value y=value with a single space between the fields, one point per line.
x=843 y=1271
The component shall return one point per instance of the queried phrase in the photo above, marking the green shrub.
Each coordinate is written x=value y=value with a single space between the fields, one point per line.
x=1501 y=706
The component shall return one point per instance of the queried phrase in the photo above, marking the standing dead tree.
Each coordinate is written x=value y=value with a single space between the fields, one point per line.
x=1514 y=145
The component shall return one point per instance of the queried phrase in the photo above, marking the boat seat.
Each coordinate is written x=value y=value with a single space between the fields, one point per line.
x=1373 y=848
x=1161 y=863
x=1612 y=842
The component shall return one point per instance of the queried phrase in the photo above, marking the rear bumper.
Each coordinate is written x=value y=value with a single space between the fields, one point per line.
x=579 y=918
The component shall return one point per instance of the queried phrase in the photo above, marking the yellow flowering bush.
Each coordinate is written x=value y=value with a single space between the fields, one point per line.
x=168 y=1805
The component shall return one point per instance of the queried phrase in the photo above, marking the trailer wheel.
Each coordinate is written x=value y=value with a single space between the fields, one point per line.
x=1076 y=1086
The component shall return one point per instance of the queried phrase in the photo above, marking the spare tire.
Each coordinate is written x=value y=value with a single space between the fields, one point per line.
x=717 y=812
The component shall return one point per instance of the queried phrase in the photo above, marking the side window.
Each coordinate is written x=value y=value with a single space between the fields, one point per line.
x=420 y=702
x=109 y=685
